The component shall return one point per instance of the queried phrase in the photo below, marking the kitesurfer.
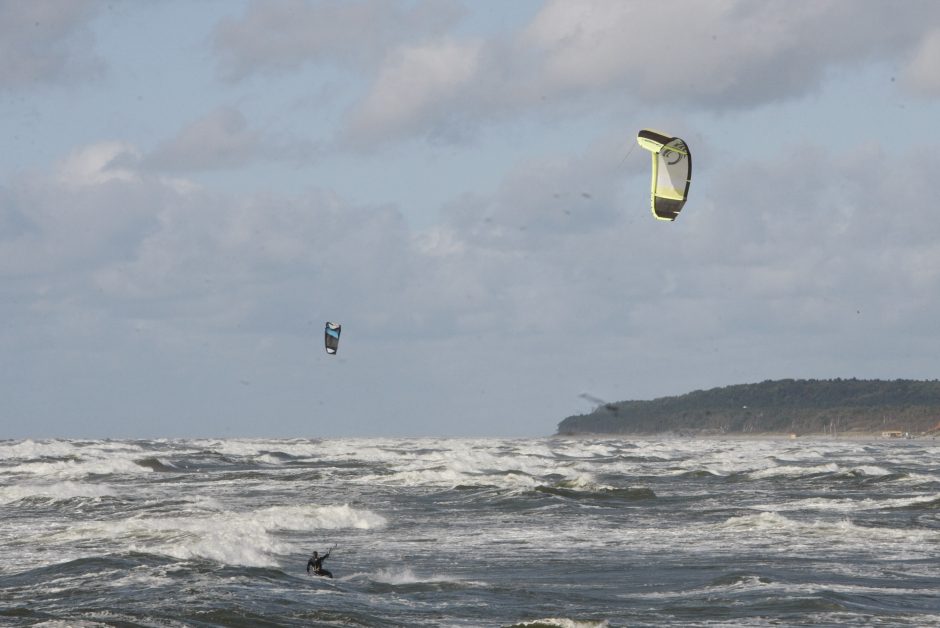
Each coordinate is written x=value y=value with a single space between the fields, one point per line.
x=316 y=563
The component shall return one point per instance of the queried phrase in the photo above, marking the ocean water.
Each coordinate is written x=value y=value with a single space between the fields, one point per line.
x=457 y=532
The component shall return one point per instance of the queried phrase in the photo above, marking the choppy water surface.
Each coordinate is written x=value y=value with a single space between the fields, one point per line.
x=446 y=532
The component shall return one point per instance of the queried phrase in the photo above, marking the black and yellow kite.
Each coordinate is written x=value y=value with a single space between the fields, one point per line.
x=672 y=172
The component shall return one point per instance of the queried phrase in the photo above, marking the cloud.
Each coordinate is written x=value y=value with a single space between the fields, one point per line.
x=413 y=81
x=814 y=261
x=46 y=41
x=285 y=35
x=600 y=54
x=790 y=244
x=87 y=211
x=561 y=242
x=922 y=74
x=109 y=233
x=99 y=163
x=548 y=197
x=805 y=240
x=221 y=139
x=423 y=78
x=722 y=54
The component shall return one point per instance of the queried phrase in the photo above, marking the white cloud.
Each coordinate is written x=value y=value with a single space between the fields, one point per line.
x=796 y=243
x=425 y=79
x=922 y=74
x=603 y=54
x=559 y=243
x=88 y=210
x=720 y=54
x=413 y=81
x=124 y=240
x=99 y=163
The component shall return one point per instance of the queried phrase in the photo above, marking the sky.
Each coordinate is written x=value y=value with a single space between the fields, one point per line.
x=190 y=189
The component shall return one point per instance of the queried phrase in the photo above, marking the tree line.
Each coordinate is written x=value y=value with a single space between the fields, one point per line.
x=783 y=406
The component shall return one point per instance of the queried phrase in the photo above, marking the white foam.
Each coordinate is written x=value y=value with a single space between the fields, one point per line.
x=34 y=450
x=269 y=459
x=407 y=576
x=208 y=517
x=29 y=449
x=310 y=518
x=794 y=471
x=834 y=532
x=56 y=492
x=847 y=505
x=76 y=469
x=230 y=537
x=71 y=623
x=477 y=463
x=562 y=622
x=747 y=583
x=870 y=470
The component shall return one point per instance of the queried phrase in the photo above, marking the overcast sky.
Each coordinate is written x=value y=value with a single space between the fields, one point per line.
x=190 y=189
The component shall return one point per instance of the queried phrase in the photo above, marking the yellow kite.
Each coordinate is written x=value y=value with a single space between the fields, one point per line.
x=672 y=172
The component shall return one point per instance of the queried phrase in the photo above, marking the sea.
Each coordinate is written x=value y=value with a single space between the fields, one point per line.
x=543 y=532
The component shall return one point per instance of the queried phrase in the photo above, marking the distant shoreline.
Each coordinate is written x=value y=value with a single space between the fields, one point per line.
x=848 y=408
x=690 y=435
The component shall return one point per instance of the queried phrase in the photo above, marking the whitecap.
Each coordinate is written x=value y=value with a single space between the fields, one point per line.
x=794 y=471
x=55 y=492
x=230 y=537
x=561 y=622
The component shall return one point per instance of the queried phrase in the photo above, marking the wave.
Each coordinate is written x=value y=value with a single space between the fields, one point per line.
x=274 y=457
x=36 y=450
x=870 y=471
x=78 y=468
x=867 y=474
x=836 y=532
x=922 y=502
x=515 y=533
x=60 y=491
x=696 y=474
x=794 y=471
x=748 y=580
x=249 y=538
x=445 y=476
x=404 y=581
x=599 y=492
x=559 y=622
x=156 y=464
x=407 y=576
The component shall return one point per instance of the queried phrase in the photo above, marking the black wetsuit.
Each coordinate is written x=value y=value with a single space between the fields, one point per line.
x=316 y=563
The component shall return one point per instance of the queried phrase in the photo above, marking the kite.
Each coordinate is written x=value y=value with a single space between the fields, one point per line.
x=331 y=337
x=672 y=172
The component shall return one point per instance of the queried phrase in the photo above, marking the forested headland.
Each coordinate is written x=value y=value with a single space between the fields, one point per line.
x=790 y=406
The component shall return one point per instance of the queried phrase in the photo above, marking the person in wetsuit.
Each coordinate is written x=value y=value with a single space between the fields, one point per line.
x=316 y=563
